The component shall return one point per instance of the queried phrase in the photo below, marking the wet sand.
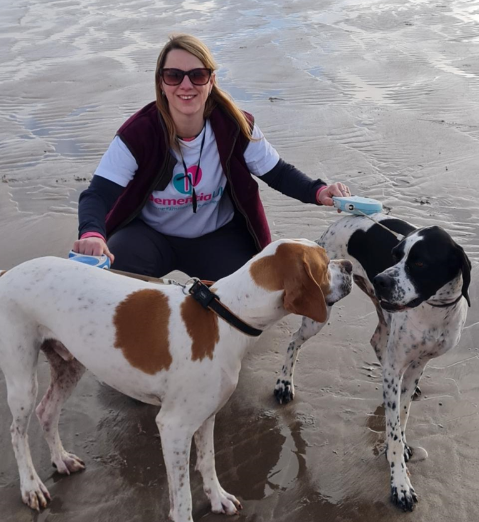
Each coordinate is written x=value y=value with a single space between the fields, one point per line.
x=382 y=95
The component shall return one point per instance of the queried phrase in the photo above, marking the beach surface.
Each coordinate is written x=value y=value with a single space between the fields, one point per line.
x=381 y=94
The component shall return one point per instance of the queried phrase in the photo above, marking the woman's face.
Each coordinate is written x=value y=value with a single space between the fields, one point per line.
x=186 y=99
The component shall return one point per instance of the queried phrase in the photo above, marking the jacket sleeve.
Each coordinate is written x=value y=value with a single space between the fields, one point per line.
x=291 y=182
x=94 y=204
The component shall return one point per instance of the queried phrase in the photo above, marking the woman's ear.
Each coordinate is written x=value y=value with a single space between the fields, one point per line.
x=212 y=82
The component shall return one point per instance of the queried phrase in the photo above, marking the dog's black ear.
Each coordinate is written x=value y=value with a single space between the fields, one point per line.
x=466 y=273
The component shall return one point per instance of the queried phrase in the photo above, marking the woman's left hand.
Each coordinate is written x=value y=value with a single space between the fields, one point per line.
x=325 y=196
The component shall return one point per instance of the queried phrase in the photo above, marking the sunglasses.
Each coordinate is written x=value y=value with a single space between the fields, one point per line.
x=175 y=76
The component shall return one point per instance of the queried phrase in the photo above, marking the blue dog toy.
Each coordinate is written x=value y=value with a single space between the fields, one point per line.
x=99 y=261
x=358 y=205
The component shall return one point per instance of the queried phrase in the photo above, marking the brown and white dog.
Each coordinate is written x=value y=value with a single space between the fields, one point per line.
x=154 y=343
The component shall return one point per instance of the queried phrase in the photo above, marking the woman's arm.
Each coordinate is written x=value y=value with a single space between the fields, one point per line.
x=290 y=181
x=264 y=161
x=94 y=204
x=116 y=169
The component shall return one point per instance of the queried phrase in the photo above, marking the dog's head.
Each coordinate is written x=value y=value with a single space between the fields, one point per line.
x=426 y=260
x=310 y=281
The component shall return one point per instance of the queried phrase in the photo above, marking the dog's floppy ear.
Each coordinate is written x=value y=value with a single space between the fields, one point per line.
x=303 y=295
x=466 y=273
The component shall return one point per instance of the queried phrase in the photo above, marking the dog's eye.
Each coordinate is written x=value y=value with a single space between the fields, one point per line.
x=419 y=264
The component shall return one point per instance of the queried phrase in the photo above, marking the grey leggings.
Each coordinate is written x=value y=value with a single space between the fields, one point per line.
x=140 y=249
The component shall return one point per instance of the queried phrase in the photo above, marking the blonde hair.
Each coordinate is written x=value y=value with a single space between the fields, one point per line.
x=217 y=97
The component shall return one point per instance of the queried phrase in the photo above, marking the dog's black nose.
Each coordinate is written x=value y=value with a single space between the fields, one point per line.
x=382 y=283
x=348 y=266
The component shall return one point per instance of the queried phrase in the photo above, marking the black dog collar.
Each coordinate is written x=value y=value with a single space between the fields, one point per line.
x=445 y=305
x=209 y=300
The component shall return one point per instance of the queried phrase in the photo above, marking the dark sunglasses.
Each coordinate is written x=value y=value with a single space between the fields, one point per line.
x=175 y=76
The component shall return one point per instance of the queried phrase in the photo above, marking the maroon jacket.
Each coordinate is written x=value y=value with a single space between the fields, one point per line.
x=145 y=136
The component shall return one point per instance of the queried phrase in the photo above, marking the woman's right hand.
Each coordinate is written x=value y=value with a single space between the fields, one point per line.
x=92 y=246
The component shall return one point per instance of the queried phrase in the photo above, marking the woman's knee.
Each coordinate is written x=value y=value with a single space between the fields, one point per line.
x=141 y=250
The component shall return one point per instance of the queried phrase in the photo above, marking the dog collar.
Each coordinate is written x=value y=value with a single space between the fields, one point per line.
x=209 y=300
x=445 y=305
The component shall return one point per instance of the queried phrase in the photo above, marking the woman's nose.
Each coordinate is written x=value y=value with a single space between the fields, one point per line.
x=186 y=82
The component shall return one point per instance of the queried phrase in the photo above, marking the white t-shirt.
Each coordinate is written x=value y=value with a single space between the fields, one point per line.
x=170 y=211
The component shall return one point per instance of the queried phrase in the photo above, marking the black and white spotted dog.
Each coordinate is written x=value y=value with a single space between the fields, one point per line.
x=419 y=286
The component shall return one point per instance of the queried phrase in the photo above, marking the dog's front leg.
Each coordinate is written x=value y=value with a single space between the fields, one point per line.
x=402 y=492
x=284 y=388
x=408 y=391
x=379 y=340
x=19 y=358
x=176 y=435
x=221 y=501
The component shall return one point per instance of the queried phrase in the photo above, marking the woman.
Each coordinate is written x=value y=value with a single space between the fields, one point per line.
x=174 y=190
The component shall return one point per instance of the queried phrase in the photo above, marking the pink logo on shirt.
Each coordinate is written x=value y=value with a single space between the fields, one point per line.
x=184 y=183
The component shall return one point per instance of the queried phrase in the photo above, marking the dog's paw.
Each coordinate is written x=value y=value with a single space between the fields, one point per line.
x=68 y=463
x=404 y=497
x=34 y=493
x=224 y=502
x=284 y=391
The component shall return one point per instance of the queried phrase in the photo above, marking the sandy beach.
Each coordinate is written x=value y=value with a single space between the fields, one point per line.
x=381 y=94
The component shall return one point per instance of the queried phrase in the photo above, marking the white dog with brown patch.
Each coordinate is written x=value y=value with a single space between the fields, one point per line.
x=154 y=343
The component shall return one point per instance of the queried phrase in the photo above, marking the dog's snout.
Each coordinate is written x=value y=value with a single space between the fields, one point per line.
x=383 y=283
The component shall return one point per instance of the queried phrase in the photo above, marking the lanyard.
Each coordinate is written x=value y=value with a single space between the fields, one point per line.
x=188 y=176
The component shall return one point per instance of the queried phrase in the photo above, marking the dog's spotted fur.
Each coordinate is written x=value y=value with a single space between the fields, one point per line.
x=422 y=280
x=154 y=343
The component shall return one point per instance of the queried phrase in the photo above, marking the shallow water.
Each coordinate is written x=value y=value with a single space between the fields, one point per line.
x=381 y=94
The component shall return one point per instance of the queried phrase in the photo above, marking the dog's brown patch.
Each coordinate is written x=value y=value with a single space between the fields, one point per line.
x=302 y=272
x=202 y=327
x=3 y=272
x=141 y=323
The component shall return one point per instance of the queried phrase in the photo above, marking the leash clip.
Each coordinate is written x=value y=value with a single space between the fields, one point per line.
x=202 y=294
